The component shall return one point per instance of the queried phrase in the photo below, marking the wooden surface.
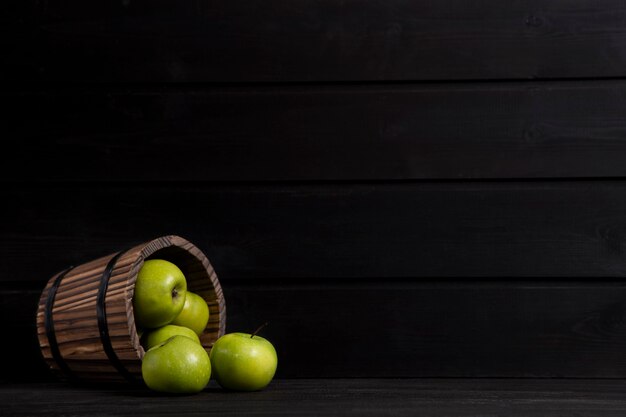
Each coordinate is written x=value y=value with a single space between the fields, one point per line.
x=329 y=40
x=347 y=397
x=333 y=132
x=411 y=188
x=322 y=231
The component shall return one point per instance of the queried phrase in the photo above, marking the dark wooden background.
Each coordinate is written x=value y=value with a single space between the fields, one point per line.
x=401 y=188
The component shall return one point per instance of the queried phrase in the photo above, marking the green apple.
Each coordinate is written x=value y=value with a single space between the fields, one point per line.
x=195 y=313
x=160 y=292
x=243 y=362
x=177 y=366
x=151 y=338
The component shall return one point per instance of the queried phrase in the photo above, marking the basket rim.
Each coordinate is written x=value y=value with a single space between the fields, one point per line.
x=148 y=249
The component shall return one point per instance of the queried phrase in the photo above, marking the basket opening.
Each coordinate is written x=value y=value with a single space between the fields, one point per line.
x=198 y=281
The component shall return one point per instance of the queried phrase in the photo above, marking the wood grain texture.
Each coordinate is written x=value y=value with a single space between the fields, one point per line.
x=443 y=131
x=166 y=41
x=351 y=231
x=354 y=397
x=401 y=188
x=427 y=329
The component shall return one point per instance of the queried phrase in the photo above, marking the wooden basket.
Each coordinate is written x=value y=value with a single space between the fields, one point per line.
x=85 y=321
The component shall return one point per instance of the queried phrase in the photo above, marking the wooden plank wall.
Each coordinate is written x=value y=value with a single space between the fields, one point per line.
x=401 y=188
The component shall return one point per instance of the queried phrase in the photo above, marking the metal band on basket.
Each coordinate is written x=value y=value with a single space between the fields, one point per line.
x=102 y=320
x=49 y=325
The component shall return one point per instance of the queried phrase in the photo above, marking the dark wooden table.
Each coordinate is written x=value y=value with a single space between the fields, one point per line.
x=332 y=397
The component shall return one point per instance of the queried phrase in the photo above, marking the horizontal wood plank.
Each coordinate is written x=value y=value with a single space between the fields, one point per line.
x=356 y=397
x=447 y=131
x=331 y=397
x=350 y=231
x=166 y=41
x=405 y=329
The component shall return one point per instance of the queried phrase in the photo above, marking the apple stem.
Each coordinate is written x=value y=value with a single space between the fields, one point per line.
x=258 y=329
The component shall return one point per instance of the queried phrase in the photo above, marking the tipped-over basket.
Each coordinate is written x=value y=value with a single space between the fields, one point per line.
x=85 y=321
